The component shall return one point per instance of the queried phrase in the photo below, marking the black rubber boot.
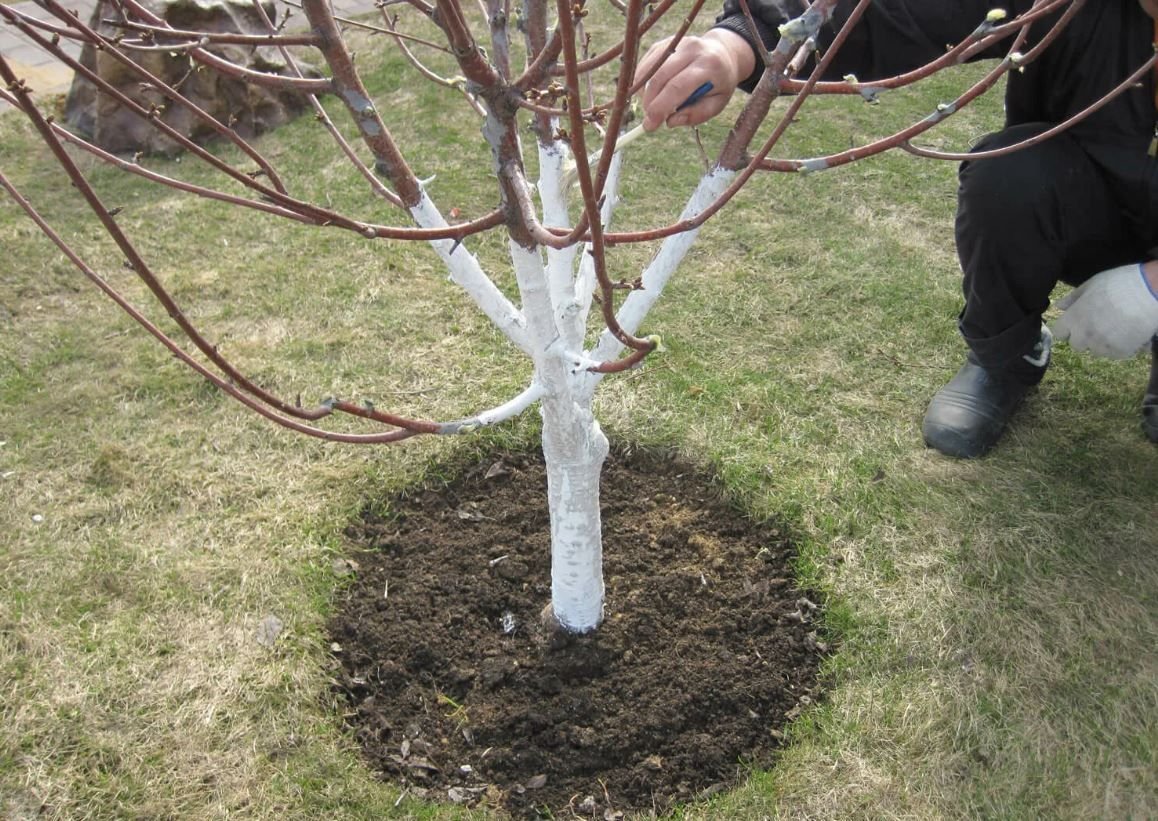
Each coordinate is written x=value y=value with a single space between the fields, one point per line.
x=968 y=415
x=1150 y=400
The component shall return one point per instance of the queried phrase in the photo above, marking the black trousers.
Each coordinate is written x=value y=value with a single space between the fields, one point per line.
x=1026 y=221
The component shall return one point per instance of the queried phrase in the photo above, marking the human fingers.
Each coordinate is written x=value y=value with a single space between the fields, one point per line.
x=659 y=92
x=707 y=107
x=680 y=78
x=650 y=58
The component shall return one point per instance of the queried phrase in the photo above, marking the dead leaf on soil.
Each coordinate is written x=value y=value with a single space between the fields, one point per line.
x=470 y=514
x=464 y=795
x=418 y=765
x=497 y=469
x=536 y=782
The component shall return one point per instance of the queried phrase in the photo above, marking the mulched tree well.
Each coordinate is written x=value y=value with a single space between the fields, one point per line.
x=457 y=693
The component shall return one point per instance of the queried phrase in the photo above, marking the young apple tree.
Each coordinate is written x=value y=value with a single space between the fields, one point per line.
x=558 y=233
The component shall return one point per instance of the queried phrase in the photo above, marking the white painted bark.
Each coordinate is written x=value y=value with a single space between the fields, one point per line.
x=567 y=310
x=508 y=410
x=585 y=284
x=550 y=328
x=671 y=253
x=466 y=272
x=574 y=449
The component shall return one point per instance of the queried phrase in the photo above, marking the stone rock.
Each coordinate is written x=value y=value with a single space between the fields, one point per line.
x=249 y=109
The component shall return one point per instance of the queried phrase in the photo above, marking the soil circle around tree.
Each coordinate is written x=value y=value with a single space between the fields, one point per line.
x=457 y=693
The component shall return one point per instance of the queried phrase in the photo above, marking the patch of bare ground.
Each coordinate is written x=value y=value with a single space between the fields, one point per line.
x=708 y=648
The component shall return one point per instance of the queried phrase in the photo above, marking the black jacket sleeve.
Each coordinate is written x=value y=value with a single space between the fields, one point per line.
x=892 y=37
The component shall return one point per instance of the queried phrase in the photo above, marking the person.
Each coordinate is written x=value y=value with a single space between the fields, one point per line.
x=1080 y=207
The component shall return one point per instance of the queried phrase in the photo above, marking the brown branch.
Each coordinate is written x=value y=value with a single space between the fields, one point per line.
x=225 y=385
x=535 y=35
x=1126 y=85
x=544 y=63
x=490 y=80
x=139 y=170
x=944 y=111
x=591 y=204
x=463 y=46
x=457 y=85
x=218 y=38
x=323 y=117
x=44 y=25
x=622 y=101
x=732 y=155
x=360 y=24
x=496 y=11
x=747 y=122
x=501 y=129
x=307 y=212
x=138 y=265
x=767 y=86
x=349 y=88
x=610 y=54
x=761 y=49
x=230 y=69
x=960 y=53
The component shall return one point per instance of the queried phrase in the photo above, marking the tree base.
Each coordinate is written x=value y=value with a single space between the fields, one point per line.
x=462 y=692
x=554 y=634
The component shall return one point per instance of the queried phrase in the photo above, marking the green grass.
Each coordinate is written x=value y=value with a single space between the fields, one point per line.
x=997 y=618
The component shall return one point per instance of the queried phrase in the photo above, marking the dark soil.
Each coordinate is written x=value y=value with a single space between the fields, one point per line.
x=707 y=648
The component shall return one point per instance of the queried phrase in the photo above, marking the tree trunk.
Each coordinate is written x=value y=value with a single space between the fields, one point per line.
x=574 y=447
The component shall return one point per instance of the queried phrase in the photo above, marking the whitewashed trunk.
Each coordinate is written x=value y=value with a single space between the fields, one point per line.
x=575 y=448
x=551 y=328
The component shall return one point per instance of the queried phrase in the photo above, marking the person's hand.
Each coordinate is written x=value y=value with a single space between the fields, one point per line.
x=721 y=57
x=1112 y=314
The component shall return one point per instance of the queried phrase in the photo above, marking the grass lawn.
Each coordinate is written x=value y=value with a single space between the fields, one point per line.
x=997 y=619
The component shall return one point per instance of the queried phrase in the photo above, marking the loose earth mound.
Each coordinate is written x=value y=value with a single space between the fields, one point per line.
x=707 y=650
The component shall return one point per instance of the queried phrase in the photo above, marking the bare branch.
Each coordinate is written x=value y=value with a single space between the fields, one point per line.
x=258 y=78
x=586 y=184
x=457 y=83
x=324 y=118
x=361 y=24
x=1126 y=85
x=496 y=13
x=1013 y=60
x=488 y=80
x=214 y=38
x=349 y=88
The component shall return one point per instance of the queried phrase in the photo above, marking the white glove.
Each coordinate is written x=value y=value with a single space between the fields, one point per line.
x=1112 y=314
